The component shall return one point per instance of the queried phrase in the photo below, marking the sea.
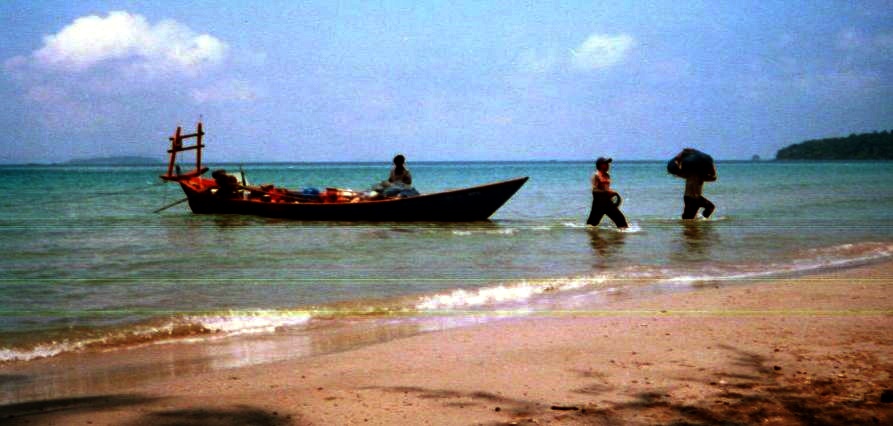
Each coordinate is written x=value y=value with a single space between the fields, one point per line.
x=87 y=264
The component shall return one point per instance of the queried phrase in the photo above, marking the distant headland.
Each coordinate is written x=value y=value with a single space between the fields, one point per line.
x=124 y=160
x=863 y=146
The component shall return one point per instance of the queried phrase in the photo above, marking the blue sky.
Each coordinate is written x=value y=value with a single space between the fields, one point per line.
x=361 y=81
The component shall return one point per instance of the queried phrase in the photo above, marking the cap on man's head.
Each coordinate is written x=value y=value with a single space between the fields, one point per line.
x=603 y=160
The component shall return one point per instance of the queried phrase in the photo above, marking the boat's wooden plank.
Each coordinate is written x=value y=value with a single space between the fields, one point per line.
x=190 y=135
x=188 y=148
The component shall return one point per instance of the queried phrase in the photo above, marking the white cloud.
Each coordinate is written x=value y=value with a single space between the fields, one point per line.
x=100 y=68
x=602 y=51
x=129 y=40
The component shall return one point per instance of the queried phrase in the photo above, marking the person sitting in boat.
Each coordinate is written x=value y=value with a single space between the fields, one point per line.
x=400 y=174
x=227 y=185
x=399 y=183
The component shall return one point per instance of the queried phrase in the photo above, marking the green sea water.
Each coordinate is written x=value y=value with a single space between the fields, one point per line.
x=87 y=262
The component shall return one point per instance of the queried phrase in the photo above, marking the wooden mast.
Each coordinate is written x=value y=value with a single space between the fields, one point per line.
x=177 y=147
x=198 y=143
x=175 y=144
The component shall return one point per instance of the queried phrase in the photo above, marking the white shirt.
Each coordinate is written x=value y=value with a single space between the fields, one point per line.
x=404 y=177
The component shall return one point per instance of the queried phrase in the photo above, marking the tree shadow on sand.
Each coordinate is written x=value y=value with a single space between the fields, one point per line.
x=762 y=394
x=236 y=416
x=56 y=411
x=450 y=398
x=7 y=379
x=750 y=391
x=37 y=412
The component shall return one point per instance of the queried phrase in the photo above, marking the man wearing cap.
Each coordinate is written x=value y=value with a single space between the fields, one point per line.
x=603 y=196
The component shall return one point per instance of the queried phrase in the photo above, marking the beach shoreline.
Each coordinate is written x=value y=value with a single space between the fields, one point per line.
x=812 y=349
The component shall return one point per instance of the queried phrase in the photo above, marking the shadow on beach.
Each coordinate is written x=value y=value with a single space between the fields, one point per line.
x=44 y=411
x=239 y=415
x=748 y=390
x=59 y=410
x=754 y=393
x=751 y=391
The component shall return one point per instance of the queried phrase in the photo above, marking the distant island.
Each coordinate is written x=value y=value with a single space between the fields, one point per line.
x=864 y=146
x=125 y=160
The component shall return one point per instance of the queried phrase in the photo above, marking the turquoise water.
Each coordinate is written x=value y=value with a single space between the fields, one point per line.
x=86 y=262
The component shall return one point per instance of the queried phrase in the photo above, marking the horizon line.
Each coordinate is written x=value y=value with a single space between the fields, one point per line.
x=76 y=162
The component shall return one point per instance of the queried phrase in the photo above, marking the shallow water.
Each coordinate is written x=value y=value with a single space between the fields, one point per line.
x=86 y=263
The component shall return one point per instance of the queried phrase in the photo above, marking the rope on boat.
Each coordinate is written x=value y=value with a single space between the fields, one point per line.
x=170 y=205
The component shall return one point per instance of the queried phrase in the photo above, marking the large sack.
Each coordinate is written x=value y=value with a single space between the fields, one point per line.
x=395 y=190
x=691 y=162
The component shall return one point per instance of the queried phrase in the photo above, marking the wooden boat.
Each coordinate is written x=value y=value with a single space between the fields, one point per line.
x=207 y=196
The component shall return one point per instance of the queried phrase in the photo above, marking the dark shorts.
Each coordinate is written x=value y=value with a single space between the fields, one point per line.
x=601 y=206
x=693 y=204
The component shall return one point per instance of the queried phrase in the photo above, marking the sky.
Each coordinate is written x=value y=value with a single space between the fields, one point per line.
x=439 y=81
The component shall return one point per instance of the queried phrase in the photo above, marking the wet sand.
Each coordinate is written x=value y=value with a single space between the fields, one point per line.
x=808 y=350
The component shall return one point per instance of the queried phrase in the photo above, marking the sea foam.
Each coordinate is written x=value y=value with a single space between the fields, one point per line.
x=520 y=297
x=502 y=294
x=193 y=328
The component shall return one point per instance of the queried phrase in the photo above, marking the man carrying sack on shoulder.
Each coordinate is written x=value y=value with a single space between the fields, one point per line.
x=696 y=168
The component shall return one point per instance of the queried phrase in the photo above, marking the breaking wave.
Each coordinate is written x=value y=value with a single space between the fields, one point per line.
x=502 y=294
x=513 y=297
x=223 y=324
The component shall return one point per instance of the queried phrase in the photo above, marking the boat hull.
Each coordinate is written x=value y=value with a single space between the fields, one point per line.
x=463 y=205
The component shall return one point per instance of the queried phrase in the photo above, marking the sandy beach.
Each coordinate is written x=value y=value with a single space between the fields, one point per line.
x=446 y=213
x=815 y=349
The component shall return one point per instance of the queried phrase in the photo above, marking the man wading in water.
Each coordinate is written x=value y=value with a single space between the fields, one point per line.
x=693 y=197
x=603 y=196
